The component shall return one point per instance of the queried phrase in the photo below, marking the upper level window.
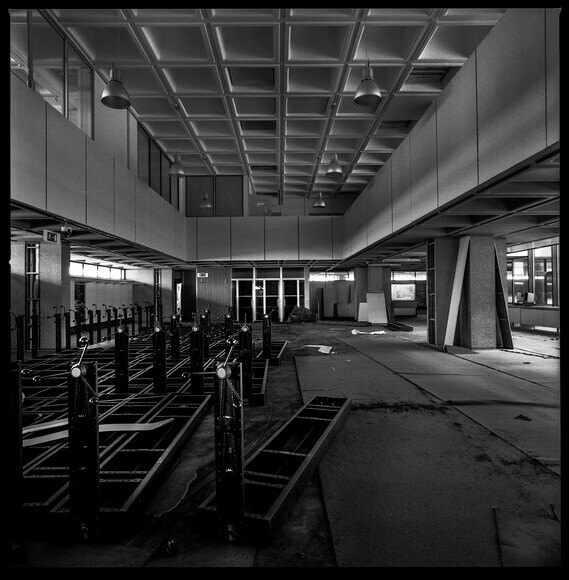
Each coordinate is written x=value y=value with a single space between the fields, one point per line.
x=79 y=92
x=19 y=43
x=47 y=62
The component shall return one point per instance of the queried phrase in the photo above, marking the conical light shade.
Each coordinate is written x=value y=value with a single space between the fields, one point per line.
x=176 y=169
x=205 y=204
x=114 y=94
x=319 y=202
x=368 y=93
x=334 y=169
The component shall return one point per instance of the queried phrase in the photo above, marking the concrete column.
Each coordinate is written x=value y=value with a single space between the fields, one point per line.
x=360 y=289
x=379 y=280
x=476 y=326
x=54 y=288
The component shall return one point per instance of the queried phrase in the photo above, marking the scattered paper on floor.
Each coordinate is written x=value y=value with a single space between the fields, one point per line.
x=321 y=348
x=355 y=331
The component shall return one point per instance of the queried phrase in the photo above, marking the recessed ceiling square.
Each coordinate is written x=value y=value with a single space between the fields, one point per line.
x=190 y=79
x=393 y=42
x=176 y=43
x=454 y=43
x=312 y=106
x=317 y=43
x=246 y=43
x=251 y=79
x=203 y=106
x=258 y=106
x=304 y=79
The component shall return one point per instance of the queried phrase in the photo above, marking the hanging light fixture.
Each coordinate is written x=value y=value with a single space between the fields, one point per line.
x=114 y=94
x=176 y=169
x=368 y=93
x=205 y=204
x=334 y=169
x=319 y=202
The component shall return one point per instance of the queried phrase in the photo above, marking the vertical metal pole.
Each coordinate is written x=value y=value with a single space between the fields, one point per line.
x=266 y=336
x=228 y=333
x=133 y=320
x=91 y=327
x=67 y=318
x=78 y=326
x=175 y=337
x=57 y=321
x=230 y=485
x=159 y=360
x=246 y=360
x=121 y=360
x=109 y=324
x=99 y=324
x=84 y=476
x=196 y=361
x=204 y=326
x=35 y=335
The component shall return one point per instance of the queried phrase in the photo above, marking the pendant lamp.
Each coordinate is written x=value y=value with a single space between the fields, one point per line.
x=334 y=169
x=114 y=94
x=176 y=169
x=368 y=93
x=319 y=202
x=205 y=204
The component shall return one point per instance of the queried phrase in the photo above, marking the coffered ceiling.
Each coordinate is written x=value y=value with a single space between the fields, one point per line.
x=267 y=93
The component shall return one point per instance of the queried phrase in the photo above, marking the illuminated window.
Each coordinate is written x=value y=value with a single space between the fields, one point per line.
x=403 y=291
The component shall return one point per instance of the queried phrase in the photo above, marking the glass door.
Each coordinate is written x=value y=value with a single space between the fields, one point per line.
x=267 y=298
x=293 y=294
x=242 y=300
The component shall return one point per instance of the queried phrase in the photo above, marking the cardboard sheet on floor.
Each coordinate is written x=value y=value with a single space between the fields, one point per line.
x=529 y=542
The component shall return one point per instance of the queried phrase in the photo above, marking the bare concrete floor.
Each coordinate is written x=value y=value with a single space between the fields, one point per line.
x=445 y=461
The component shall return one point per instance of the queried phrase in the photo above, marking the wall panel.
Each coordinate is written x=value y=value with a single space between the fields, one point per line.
x=248 y=238
x=511 y=91
x=214 y=238
x=337 y=237
x=401 y=185
x=552 y=74
x=124 y=202
x=229 y=195
x=423 y=151
x=143 y=214
x=191 y=239
x=281 y=238
x=66 y=187
x=373 y=210
x=100 y=188
x=315 y=238
x=457 y=141
x=111 y=126
x=27 y=145
x=159 y=226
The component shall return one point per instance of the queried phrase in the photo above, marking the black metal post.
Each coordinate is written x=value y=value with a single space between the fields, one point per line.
x=91 y=327
x=266 y=336
x=245 y=357
x=175 y=337
x=197 y=360
x=67 y=319
x=78 y=326
x=230 y=485
x=99 y=324
x=228 y=332
x=121 y=360
x=159 y=369
x=109 y=324
x=35 y=335
x=84 y=475
x=133 y=320
x=139 y=311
